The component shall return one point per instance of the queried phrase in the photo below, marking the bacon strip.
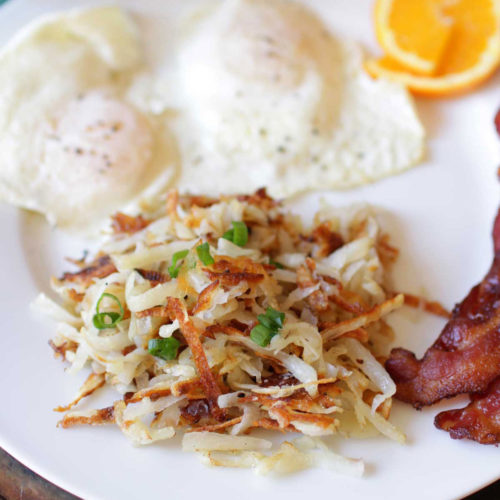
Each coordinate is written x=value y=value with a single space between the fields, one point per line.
x=100 y=268
x=466 y=356
x=480 y=420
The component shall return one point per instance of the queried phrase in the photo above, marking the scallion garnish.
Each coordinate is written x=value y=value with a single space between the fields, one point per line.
x=203 y=252
x=164 y=348
x=173 y=270
x=267 y=322
x=262 y=335
x=269 y=325
x=275 y=316
x=100 y=318
x=238 y=234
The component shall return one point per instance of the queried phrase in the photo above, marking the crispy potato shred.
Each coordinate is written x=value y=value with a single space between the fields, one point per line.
x=319 y=375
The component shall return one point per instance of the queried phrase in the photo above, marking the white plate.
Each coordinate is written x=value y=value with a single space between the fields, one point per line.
x=441 y=216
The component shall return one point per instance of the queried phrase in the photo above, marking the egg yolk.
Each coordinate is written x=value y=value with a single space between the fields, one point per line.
x=101 y=141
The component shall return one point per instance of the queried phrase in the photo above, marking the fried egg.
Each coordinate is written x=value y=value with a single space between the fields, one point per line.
x=240 y=95
x=73 y=147
x=271 y=98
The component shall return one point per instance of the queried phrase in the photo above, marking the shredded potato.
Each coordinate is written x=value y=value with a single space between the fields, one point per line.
x=317 y=371
x=207 y=441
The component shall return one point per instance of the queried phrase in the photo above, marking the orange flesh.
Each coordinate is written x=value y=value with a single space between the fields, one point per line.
x=468 y=54
x=473 y=26
x=429 y=44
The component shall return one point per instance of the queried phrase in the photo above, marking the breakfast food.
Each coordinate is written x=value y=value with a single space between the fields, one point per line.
x=73 y=147
x=479 y=421
x=437 y=47
x=464 y=359
x=300 y=113
x=219 y=316
x=397 y=26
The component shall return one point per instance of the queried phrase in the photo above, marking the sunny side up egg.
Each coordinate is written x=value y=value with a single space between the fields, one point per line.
x=254 y=93
x=271 y=98
x=72 y=147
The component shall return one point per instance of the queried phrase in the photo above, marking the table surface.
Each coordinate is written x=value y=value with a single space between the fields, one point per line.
x=17 y=482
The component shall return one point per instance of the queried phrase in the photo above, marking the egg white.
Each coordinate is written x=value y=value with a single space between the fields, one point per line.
x=269 y=97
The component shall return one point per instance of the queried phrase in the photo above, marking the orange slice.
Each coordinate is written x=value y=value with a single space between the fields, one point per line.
x=470 y=55
x=412 y=32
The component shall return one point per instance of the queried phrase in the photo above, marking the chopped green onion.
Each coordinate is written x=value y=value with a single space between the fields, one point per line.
x=101 y=323
x=267 y=322
x=269 y=325
x=173 y=270
x=262 y=335
x=203 y=252
x=275 y=316
x=238 y=234
x=99 y=319
x=277 y=265
x=164 y=348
